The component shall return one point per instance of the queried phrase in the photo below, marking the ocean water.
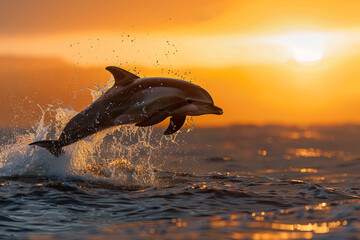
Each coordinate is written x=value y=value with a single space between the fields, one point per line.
x=238 y=182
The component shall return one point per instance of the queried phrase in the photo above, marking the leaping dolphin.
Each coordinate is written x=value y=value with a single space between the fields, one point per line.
x=143 y=101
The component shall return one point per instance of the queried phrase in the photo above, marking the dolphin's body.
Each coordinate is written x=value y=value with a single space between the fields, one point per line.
x=144 y=101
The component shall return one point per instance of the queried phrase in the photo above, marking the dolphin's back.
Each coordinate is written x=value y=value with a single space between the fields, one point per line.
x=167 y=86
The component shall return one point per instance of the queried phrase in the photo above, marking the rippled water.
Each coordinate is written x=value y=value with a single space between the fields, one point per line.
x=241 y=182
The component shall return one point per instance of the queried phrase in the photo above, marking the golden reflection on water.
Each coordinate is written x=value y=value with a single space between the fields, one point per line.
x=256 y=226
x=261 y=152
x=278 y=230
x=273 y=235
x=308 y=134
x=287 y=231
x=310 y=152
x=301 y=170
x=179 y=226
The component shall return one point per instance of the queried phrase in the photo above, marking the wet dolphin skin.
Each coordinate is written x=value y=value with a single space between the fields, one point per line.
x=143 y=101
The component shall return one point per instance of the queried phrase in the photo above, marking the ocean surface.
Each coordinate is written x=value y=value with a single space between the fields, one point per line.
x=238 y=182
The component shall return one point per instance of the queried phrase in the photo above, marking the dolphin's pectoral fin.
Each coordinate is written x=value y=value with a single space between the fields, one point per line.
x=175 y=124
x=121 y=76
x=154 y=119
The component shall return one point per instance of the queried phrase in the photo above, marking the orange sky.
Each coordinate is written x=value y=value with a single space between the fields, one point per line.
x=285 y=62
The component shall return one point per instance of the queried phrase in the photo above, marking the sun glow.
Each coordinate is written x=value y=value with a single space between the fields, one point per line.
x=305 y=47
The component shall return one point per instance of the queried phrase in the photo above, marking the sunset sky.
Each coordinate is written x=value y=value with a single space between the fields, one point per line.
x=264 y=62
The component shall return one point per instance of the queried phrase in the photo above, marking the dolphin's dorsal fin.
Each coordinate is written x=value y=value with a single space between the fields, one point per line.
x=121 y=76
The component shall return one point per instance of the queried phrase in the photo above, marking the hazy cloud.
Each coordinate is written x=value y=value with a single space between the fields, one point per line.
x=67 y=16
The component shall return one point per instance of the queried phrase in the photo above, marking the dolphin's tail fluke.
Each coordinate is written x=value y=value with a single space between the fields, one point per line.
x=52 y=146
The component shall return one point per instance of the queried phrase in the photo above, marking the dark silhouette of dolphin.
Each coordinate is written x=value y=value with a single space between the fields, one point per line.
x=144 y=101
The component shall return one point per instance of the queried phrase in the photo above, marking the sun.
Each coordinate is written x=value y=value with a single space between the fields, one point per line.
x=307 y=54
x=305 y=47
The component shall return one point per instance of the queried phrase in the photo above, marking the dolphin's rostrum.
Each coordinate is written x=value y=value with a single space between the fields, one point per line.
x=143 y=101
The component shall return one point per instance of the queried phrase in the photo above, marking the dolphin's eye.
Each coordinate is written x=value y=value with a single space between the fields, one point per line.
x=189 y=101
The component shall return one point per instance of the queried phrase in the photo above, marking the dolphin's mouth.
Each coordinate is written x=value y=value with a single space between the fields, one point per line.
x=206 y=108
x=215 y=110
x=197 y=109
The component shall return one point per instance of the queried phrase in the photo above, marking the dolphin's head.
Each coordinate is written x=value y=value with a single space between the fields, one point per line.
x=198 y=102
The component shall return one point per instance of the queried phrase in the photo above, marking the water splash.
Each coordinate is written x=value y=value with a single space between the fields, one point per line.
x=118 y=155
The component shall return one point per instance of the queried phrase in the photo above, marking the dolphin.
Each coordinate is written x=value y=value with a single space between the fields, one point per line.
x=143 y=101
